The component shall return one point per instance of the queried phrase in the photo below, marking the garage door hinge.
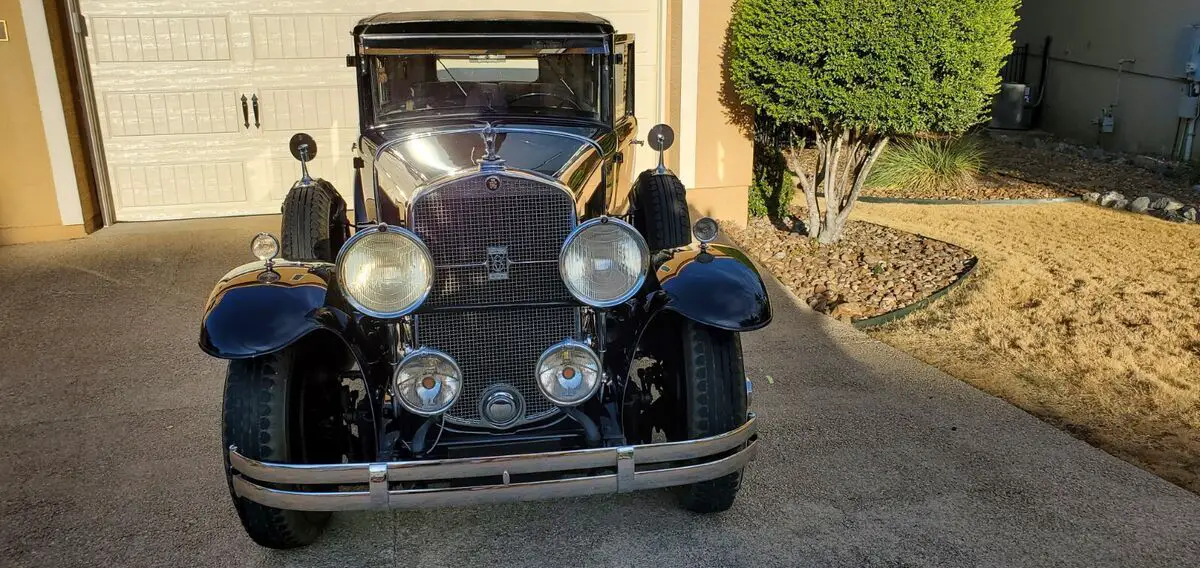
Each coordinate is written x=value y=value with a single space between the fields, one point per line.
x=358 y=163
x=351 y=61
x=79 y=23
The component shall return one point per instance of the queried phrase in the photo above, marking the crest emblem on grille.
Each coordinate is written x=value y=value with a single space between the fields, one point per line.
x=492 y=183
x=497 y=262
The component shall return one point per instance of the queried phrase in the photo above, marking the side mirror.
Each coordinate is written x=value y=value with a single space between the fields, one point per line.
x=303 y=148
x=660 y=140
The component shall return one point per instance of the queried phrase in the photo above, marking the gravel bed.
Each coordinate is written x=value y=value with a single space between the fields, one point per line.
x=871 y=271
x=1080 y=170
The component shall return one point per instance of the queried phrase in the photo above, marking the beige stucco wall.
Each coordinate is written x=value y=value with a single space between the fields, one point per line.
x=1089 y=38
x=29 y=209
x=723 y=150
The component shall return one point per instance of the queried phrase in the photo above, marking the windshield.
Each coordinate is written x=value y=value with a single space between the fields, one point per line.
x=556 y=84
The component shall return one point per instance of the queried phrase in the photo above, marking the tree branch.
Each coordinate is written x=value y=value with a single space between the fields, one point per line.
x=861 y=177
x=833 y=194
x=810 y=193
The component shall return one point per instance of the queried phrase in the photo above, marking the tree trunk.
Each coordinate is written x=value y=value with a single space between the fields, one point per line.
x=844 y=160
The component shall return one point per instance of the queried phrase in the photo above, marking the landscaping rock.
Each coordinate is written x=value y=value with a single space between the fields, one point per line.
x=871 y=271
x=1111 y=198
x=1120 y=203
x=1092 y=197
x=1165 y=203
x=1140 y=205
x=1189 y=214
x=1166 y=215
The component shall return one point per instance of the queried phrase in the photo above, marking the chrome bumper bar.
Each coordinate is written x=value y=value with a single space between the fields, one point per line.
x=634 y=466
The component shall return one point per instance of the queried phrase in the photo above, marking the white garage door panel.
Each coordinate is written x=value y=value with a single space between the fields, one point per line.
x=170 y=75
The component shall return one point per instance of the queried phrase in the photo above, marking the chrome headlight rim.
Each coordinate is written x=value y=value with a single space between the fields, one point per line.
x=552 y=350
x=642 y=247
x=365 y=233
x=424 y=352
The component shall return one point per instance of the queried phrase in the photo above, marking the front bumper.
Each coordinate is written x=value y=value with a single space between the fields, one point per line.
x=622 y=469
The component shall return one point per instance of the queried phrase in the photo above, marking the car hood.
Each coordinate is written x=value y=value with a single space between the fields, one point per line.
x=435 y=152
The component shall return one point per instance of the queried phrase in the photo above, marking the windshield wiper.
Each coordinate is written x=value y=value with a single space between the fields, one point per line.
x=451 y=75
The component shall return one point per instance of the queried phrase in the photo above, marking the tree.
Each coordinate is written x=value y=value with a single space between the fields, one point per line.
x=853 y=74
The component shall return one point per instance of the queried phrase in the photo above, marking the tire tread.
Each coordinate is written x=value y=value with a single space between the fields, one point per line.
x=715 y=404
x=662 y=211
x=255 y=419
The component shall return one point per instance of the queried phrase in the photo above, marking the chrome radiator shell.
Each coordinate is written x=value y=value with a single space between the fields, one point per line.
x=498 y=300
x=467 y=225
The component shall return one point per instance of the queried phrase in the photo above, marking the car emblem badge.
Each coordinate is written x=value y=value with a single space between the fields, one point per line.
x=497 y=262
x=493 y=183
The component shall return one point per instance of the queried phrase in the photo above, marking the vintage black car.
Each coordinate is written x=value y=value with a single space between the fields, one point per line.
x=509 y=315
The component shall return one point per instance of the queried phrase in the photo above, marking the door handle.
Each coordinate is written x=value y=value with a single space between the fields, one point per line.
x=245 y=112
x=254 y=103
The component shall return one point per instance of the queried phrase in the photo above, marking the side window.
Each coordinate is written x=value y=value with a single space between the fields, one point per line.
x=620 y=81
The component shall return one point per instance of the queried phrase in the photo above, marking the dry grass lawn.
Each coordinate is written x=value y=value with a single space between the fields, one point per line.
x=1086 y=317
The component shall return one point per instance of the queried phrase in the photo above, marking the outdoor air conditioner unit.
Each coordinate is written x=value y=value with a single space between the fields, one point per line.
x=1013 y=107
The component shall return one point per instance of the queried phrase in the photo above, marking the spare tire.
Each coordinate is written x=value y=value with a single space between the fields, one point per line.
x=314 y=222
x=661 y=211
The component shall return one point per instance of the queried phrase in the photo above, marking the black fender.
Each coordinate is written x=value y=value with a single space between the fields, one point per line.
x=254 y=310
x=716 y=285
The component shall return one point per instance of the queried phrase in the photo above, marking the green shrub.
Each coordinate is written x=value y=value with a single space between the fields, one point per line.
x=855 y=73
x=926 y=166
x=773 y=186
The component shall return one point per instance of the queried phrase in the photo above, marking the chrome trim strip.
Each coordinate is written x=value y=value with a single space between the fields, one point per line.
x=480 y=495
x=625 y=469
x=378 y=485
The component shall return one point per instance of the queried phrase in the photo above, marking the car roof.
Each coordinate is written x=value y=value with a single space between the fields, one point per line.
x=485 y=21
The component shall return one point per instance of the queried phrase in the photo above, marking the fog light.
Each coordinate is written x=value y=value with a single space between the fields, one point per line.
x=264 y=246
x=569 y=373
x=427 y=382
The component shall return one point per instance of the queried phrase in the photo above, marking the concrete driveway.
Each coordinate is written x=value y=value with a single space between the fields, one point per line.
x=110 y=451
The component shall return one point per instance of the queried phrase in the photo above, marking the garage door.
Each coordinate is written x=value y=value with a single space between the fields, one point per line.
x=198 y=99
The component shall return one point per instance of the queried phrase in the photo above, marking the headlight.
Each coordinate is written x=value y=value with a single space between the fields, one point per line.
x=385 y=272
x=568 y=373
x=603 y=262
x=428 y=382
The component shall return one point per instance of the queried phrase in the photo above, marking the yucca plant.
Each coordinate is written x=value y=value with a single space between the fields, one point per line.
x=929 y=165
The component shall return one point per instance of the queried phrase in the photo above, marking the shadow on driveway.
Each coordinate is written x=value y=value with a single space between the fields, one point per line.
x=110 y=449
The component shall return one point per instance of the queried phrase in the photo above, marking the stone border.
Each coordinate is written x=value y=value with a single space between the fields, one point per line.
x=925 y=201
x=897 y=314
x=1161 y=206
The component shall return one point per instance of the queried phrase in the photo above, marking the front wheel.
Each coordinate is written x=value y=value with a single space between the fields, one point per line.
x=714 y=401
x=261 y=417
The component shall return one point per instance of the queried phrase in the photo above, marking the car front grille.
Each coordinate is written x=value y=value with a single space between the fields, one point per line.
x=496 y=248
x=495 y=347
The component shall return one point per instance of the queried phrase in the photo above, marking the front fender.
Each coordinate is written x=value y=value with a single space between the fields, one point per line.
x=252 y=312
x=717 y=286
